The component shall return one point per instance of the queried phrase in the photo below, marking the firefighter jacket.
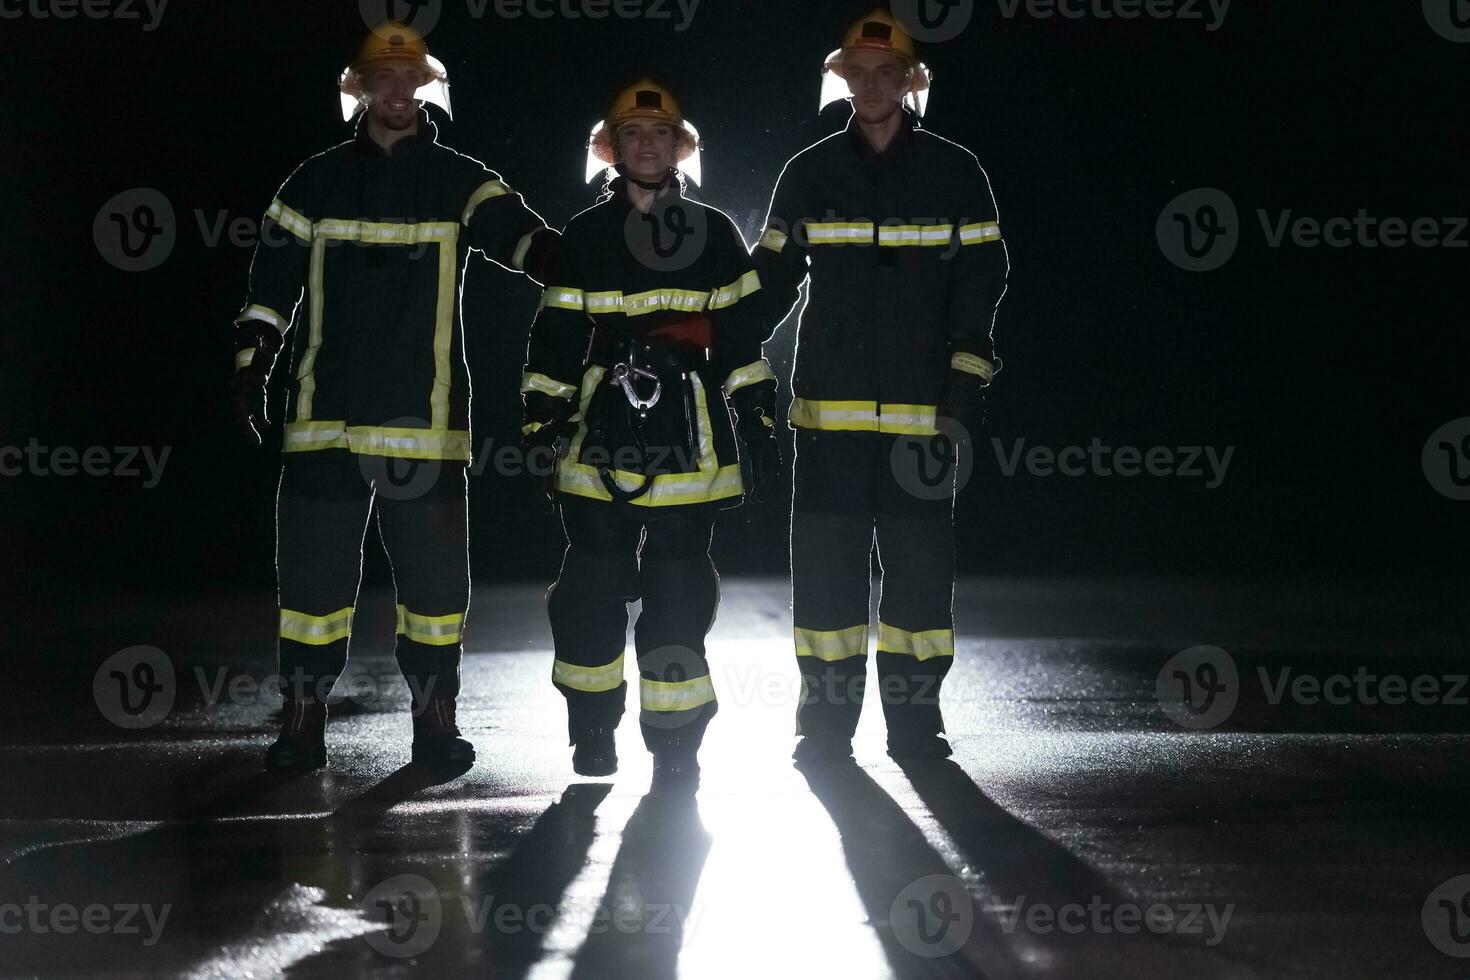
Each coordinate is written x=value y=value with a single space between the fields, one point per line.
x=906 y=266
x=685 y=313
x=378 y=243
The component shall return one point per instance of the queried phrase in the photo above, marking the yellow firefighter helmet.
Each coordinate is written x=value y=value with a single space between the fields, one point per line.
x=645 y=100
x=392 y=43
x=877 y=31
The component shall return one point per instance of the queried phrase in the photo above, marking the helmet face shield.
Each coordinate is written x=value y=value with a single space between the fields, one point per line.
x=877 y=32
x=835 y=87
x=435 y=90
x=646 y=101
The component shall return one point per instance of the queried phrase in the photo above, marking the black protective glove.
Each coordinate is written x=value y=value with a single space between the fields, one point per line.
x=256 y=344
x=964 y=401
x=755 y=409
x=547 y=419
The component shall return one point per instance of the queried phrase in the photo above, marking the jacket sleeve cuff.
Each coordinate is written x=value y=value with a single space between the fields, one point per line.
x=968 y=363
x=752 y=373
x=533 y=381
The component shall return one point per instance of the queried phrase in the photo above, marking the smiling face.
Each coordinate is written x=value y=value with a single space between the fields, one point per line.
x=878 y=82
x=390 y=89
x=647 y=149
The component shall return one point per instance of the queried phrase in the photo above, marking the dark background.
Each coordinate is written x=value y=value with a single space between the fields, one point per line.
x=1325 y=368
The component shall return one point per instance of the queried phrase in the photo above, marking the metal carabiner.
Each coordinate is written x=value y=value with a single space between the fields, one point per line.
x=624 y=375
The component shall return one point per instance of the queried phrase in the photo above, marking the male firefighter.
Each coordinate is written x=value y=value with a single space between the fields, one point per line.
x=376 y=231
x=647 y=325
x=896 y=229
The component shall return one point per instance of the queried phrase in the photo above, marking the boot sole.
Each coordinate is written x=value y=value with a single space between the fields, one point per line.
x=296 y=765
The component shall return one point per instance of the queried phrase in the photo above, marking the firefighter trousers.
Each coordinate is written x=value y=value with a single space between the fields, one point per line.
x=325 y=503
x=616 y=554
x=848 y=487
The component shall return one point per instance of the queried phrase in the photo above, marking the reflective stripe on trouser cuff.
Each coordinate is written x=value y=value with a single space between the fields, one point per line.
x=832 y=644
x=921 y=645
x=439 y=631
x=593 y=679
x=675 y=695
x=316 y=630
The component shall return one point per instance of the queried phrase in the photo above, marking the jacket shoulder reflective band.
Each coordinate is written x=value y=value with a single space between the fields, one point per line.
x=863 y=416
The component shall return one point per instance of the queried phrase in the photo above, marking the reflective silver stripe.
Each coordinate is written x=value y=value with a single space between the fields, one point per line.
x=831 y=233
x=972 y=364
x=774 y=240
x=921 y=645
x=387 y=232
x=838 y=415
x=752 y=373
x=293 y=221
x=832 y=645
x=739 y=289
x=915 y=235
x=431 y=630
x=518 y=257
x=243 y=358
x=532 y=381
x=316 y=630
x=563 y=298
x=675 y=695
x=916 y=420
x=593 y=679
x=980 y=233
x=255 y=311
x=377 y=440
x=487 y=190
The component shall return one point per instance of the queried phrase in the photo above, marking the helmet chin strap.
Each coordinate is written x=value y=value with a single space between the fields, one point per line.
x=657 y=185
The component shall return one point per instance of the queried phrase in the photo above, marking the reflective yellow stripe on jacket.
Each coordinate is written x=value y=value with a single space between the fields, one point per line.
x=863 y=416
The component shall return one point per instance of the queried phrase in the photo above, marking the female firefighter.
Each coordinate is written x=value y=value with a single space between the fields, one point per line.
x=645 y=329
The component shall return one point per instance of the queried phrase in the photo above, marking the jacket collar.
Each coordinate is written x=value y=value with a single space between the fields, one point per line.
x=901 y=139
x=428 y=134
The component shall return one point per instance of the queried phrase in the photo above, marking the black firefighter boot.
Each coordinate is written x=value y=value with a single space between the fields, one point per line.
x=436 y=738
x=594 y=752
x=302 y=744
